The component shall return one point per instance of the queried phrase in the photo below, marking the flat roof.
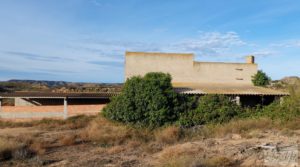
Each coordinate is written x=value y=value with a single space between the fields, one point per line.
x=225 y=89
x=157 y=53
x=57 y=95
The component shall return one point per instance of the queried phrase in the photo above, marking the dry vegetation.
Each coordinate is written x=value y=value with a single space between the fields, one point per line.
x=95 y=141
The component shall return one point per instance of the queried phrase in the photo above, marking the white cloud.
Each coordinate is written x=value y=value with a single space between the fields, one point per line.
x=263 y=53
x=287 y=44
x=205 y=44
x=211 y=43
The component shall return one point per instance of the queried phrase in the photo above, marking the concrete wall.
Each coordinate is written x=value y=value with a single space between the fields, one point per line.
x=49 y=101
x=25 y=102
x=178 y=65
x=184 y=69
x=16 y=113
x=237 y=73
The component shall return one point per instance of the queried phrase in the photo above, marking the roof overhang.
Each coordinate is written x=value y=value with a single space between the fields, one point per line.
x=226 y=89
x=52 y=95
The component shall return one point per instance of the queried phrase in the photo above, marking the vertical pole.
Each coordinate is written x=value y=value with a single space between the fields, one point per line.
x=281 y=100
x=0 y=104
x=65 y=108
x=238 y=100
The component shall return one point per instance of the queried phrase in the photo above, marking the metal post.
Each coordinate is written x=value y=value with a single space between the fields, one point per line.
x=238 y=100
x=65 y=108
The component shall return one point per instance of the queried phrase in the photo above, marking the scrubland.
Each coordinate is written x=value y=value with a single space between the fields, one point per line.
x=96 y=141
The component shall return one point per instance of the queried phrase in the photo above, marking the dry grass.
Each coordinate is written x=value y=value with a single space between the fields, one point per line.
x=68 y=140
x=241 y=127
x=168 y=135
x=105 y=132
x=246 y=128
x=75 y=122
x=115 y=150
x=250 y=127
x=187 y=161
x=179 y=150
x=7 y=147
x=152 y=147
x=219 y=162
x=132 y=144
x=197 y=161
x=38 y=147
x=292 y=124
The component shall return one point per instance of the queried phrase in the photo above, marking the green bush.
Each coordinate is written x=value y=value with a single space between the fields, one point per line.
x=287 y=109
x=148 y=101
x=211 y=109
x=261 y=79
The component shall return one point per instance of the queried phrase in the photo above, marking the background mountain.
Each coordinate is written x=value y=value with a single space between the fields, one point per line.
x=57 y=86
x=286 y=83
x=62 y=86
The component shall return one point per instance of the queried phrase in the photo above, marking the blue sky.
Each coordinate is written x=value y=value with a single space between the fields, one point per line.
x=85 y=40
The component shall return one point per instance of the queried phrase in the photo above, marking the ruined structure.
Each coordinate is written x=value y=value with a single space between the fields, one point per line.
x=192 y=77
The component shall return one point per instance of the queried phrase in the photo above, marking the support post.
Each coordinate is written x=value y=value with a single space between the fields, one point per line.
x=238 y=100
x=65 y=108
x=262 y=100
x=0 y=104
x=281 y=99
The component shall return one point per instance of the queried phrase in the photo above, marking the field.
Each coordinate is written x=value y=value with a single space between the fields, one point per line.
x=95 y=141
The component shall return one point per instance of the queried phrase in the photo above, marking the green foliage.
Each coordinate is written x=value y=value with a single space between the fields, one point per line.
x=151 y=101
x=148 y=101
x=288 y=109
x=285 y=110
x=261 y=79
x=211 y=109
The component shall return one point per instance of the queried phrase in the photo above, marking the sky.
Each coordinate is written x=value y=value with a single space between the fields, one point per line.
x=85 y=40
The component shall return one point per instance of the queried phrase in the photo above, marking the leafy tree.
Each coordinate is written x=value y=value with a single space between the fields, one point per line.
x=211 y=109
x=148 y=101
x=261 y=79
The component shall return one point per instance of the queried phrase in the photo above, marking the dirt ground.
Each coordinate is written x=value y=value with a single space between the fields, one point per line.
x=249 y=151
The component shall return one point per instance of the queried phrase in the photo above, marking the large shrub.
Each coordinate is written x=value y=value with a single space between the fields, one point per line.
x=287 y=109
x=148 y=101
x=211 y=109
x=261 y=79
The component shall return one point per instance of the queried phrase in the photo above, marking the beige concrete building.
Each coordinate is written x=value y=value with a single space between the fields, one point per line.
x=193 y=77
x=184 y=69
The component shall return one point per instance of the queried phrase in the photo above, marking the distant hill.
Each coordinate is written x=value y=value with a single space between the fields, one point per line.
x=40 y=82
x=57 y=86
x=286 y=83
x=62 y=86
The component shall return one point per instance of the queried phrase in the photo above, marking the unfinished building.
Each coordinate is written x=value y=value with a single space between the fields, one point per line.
x=200 y=78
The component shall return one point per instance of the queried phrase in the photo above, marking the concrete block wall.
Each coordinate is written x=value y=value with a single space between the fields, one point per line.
x=178 y=65
x=184 y=69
